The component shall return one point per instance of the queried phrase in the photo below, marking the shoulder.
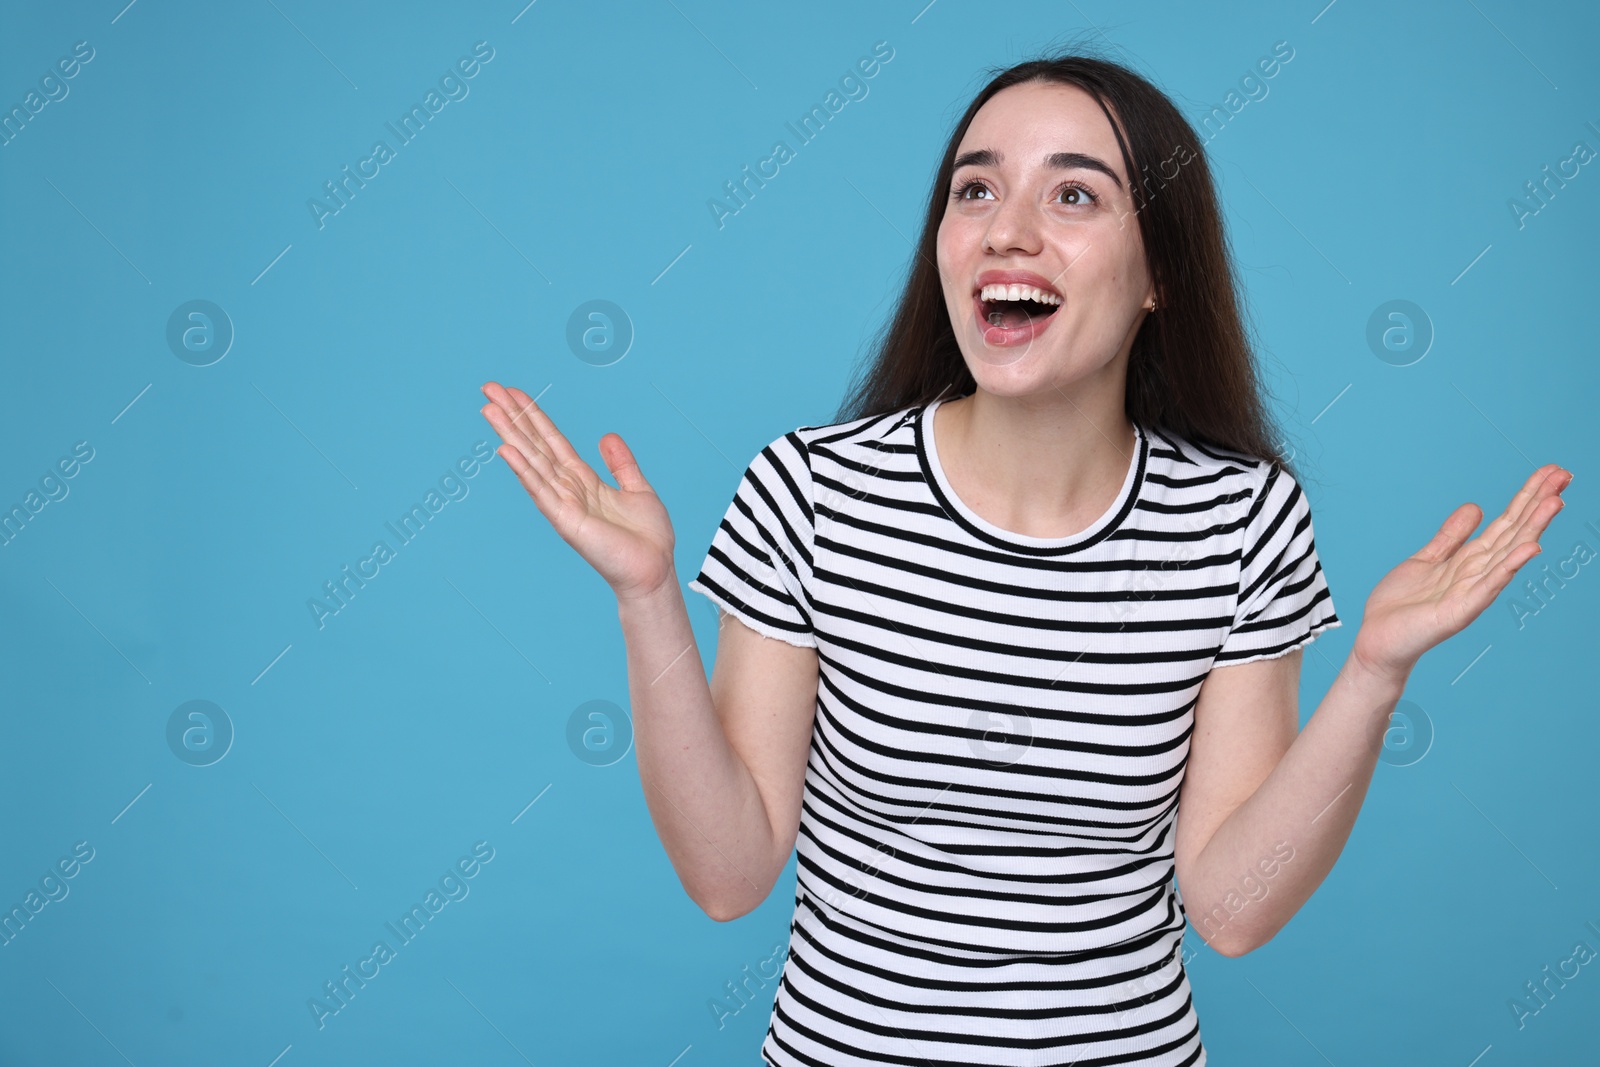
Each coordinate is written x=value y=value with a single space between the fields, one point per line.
x=828 y=449
x=1246 y=495
x=808 y=465
x=1175 y=456
x=870 y=432
x=1185 y=474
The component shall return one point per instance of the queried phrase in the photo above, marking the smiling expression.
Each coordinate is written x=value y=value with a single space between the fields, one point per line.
x=1039 y=252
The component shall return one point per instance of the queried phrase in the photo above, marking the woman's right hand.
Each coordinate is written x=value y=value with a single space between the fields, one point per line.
x=623 y=533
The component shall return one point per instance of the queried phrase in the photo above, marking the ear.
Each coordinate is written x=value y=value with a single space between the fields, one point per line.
x=1155 y=294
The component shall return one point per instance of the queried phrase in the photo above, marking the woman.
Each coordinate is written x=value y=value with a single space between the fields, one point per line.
x=1043 y=589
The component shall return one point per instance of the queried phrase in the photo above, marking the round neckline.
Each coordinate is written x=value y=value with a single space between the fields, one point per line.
x=1102 y=527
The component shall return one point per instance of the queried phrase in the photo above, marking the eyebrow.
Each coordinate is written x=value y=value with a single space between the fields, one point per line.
x=986 y=157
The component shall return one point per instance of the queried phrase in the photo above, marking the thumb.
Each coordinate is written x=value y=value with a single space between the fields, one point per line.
x=623 y=467
x=1452 y=535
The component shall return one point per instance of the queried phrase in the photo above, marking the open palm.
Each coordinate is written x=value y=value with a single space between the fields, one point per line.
x=623 y=533
x=1451 y=580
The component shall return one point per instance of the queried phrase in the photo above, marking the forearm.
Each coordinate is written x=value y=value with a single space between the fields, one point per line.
x=1307 y=804
x=702 y=798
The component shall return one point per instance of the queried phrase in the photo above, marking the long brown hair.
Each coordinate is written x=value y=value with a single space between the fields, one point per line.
x=1191 y=370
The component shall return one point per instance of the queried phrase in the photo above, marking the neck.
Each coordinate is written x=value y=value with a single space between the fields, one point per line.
x=1045 y=465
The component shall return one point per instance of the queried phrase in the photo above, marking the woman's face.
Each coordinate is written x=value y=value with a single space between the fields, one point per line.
x=1031 y=203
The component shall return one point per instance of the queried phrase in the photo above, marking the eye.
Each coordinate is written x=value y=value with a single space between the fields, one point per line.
x=1083 y=194
x=1082 y=191
x=961 y=190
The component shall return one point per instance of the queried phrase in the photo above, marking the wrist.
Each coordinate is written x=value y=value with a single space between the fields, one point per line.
x=661 y=597
x=1374 y=674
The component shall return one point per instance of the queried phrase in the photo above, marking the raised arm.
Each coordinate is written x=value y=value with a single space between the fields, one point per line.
x=722 y=764
x=1264 y=812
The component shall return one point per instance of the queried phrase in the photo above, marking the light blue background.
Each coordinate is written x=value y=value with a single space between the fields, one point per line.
x=372 y=753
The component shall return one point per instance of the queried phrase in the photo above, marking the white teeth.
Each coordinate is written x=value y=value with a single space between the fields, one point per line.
x=1017 y=292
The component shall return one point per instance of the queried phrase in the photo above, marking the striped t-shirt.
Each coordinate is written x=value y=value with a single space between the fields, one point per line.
x=1002 y=723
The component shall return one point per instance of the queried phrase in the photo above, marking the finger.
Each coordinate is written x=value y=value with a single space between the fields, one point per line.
x=547 y=495
x=508 y=406
x=1548 y=479
x=1494 y=581
x=531 y=449
x=501 y=401
x=1535 y=516
x=1533 y=524
x=530 y=419
x=1495 y=534
x=530 y=412
x=622 y=464
x=543 y=446
x=1452 y=534
x=496 y=393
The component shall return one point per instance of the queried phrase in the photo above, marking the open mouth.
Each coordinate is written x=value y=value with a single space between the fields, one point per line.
x=1012 y=306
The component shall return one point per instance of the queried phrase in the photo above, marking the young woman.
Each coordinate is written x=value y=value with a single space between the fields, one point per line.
x=1018 y=641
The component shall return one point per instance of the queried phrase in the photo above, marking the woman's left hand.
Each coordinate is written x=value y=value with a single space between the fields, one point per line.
x=1437 y=592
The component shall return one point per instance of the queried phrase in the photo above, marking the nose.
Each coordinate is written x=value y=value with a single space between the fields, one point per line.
x=1014 y=226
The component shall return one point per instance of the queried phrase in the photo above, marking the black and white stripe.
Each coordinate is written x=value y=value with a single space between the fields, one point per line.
x=985 y=850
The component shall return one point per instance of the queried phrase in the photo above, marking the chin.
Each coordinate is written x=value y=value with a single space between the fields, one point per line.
x=1038 y=372
x=1021 y=378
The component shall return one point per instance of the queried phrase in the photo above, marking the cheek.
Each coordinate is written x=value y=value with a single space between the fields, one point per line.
x=949 y=254
x=1130 y=260
x=960 y=235
x=946 y=241
x=1102 y=266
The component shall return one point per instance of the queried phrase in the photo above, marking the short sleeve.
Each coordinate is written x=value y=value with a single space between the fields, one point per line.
x=759 y=561
x=1284 y=600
